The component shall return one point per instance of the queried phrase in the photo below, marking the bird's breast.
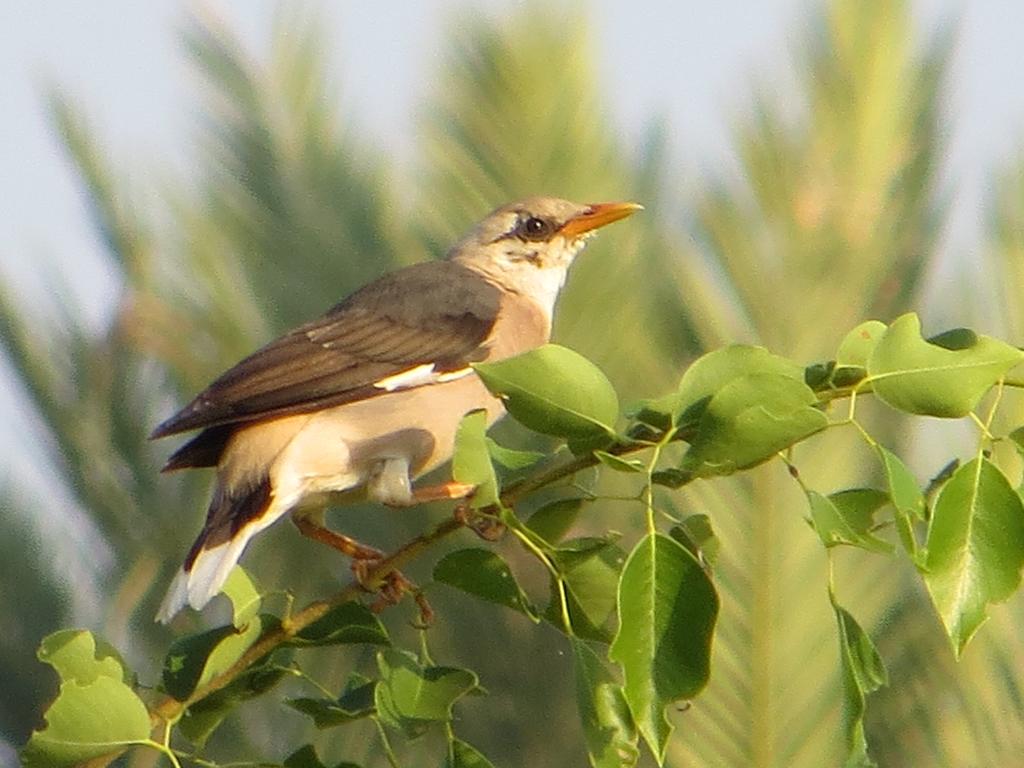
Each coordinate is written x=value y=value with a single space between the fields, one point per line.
x=521 y=325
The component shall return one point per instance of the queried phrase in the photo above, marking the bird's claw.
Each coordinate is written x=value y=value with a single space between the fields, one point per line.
x=390 y=588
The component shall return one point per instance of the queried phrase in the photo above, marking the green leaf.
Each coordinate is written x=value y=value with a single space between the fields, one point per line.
x=511 y=459
x=667 y=612
x=975 y=548
x=671 y=477
x=410 y=697
x=463 y=755
x=856 y=347
x=710 y=373
x=77 y=655
x=1017 y=438
x=471 y=462
x=607 y=725
x=656 y=412
x=818 y=376
x=863 y=672
x=915 y=376
x=554 y=519
x=355 y=703
x=697 y=536
x=554 y=391
x=345 y=624
x=846 y=524
x=589 y=569
x=955 y=339
x=484 y=574
x=244 y=597
x=858 y=507
x=906 y=497
x=306 y=757
x=903 y=488
x=620 y=464
x=748 y=421
x=87 y=720
x=194 y=660
x=202 y=718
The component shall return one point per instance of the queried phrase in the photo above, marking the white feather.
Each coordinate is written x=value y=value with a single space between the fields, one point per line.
x=205 y=579
x=175 y=599
x=418 y=376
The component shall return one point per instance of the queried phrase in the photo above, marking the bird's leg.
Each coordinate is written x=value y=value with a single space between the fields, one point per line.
x=344 y=544
x=392 y=586
x=389 y=484
x=364 y=558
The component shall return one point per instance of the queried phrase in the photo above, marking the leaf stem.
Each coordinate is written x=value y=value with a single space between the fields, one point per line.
x=526 y=539
x=652 y=465
x=389 y=752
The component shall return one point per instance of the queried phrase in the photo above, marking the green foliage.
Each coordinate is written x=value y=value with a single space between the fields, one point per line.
x=555 y=391
x=975 y=547
x=831 y=218
x=663 y=598
x=471 y=462
x=607 y=724
x=846 y=518
x=88 y=720
x=96 y=712
x=410 y=696
x=925 y=378
x=482 y=573
x=667 y=611
x=863 y=673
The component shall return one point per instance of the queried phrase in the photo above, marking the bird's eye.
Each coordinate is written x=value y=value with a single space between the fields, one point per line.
x=535 y=228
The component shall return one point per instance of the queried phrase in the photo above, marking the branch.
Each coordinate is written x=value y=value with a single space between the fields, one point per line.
x=169 y=709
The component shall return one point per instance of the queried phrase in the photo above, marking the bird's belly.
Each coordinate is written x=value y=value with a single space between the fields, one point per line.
x=338 y=449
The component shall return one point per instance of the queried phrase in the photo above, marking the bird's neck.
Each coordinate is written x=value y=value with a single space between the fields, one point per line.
x=539 y=285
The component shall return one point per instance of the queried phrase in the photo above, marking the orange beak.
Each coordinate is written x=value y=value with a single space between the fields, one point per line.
x=597 y=215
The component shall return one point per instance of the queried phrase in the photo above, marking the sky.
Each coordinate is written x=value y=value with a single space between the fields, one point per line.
x=689 y=63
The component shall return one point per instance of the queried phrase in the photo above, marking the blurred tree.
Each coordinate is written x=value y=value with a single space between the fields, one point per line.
x=833 y=221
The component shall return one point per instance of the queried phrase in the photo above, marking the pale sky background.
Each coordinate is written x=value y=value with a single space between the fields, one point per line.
x=691 y=63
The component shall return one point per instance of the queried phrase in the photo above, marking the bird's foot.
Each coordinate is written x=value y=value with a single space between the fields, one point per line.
x=390 y=589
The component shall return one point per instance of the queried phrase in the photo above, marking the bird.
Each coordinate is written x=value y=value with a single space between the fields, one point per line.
x=367 y=398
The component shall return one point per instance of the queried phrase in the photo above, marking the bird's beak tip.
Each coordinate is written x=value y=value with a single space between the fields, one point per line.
x=598 y=215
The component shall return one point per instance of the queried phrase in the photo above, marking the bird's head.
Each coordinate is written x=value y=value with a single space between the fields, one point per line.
x=527 y=246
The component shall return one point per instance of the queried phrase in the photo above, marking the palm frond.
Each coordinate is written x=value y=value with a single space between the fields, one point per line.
x=833 y=221
x=299 y=200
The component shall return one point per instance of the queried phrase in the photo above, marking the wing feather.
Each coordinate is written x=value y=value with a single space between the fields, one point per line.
x=438 y=313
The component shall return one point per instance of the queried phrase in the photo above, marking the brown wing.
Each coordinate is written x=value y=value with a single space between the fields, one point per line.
x=436 y=313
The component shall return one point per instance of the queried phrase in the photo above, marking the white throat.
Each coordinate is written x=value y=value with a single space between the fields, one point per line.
x=536 y=271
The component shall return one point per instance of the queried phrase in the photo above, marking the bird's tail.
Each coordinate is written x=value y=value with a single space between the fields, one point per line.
x=234 y=517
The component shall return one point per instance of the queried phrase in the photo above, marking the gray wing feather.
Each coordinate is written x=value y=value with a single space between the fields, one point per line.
x=438 y=313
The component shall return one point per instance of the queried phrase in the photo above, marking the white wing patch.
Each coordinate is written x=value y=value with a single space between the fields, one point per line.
x=418 y=377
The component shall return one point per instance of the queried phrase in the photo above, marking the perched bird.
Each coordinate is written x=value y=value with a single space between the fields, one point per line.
x=368 y=397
